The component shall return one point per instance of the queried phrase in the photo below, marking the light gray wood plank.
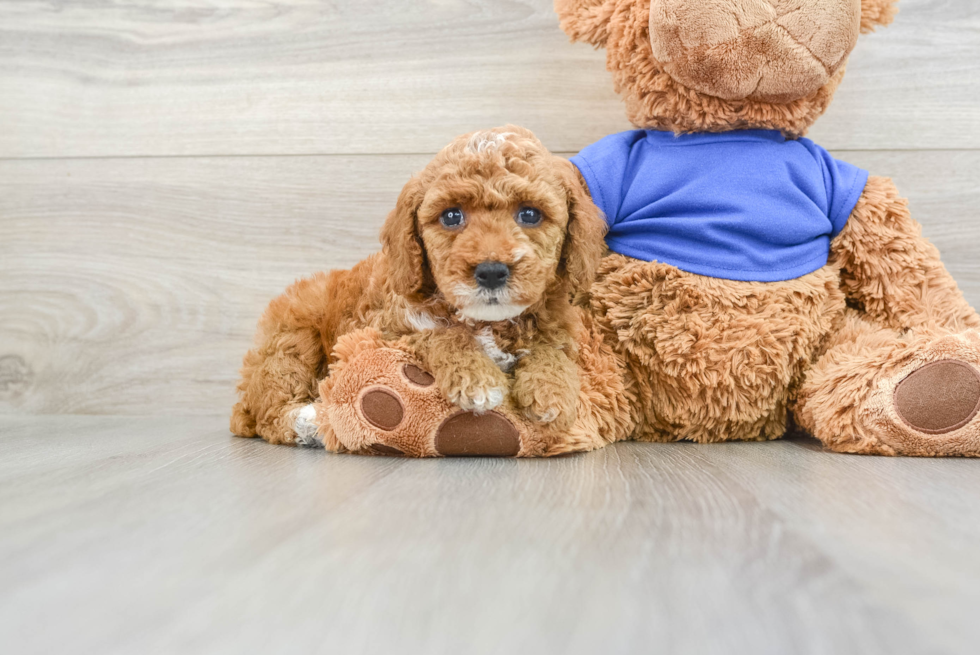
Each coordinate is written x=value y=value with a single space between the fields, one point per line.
x=159 y=269
x=133 y=286
x=387 y=76
x=930 y=51
x=168 y=535
x=869 y=513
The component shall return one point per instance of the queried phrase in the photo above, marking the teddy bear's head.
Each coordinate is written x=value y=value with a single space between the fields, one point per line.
x=719 y=65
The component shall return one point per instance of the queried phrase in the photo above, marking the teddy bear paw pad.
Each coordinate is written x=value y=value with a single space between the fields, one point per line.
x=384 y=449
x=382 y=408
x=940 y=397
x=468 y=434
x=417 y=376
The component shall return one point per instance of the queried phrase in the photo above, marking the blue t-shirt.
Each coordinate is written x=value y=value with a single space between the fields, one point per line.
x=748 y=205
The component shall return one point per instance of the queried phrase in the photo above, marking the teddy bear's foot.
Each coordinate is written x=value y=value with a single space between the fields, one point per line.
x=467 y=434
x=939 y=398
x=890 y=394
x=380 y=401
x=930 y=405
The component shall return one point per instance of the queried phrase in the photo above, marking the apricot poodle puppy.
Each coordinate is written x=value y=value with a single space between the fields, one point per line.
x=481 y=257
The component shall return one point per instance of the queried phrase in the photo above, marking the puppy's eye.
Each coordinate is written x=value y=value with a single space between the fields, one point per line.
x=529 y=216
x=452 y=217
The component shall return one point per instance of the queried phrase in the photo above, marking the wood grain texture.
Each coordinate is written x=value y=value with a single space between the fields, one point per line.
x=134 y=286
x=147 y=215
x=159 y=268
x=227 y=77
x=163 y=536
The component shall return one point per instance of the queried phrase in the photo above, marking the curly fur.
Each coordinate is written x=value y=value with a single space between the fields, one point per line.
x=421 y=286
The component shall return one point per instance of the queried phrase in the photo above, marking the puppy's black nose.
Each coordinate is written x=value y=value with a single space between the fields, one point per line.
x=492 y=275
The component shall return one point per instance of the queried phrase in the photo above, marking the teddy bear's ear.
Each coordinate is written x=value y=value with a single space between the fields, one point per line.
x=586 y=20
x=877 y=12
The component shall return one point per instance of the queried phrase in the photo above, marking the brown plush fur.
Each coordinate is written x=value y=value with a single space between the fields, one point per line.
x=773 y=51
x=712 y=359
x=847 y=400
x=715 y=359
x=720 y=360
x=422 y=287
x=655 y=100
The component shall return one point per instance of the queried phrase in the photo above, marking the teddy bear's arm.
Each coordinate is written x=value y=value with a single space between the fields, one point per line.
x=890 y=271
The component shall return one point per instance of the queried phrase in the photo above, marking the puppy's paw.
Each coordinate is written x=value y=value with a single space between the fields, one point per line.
x=559 y=419
x=306 y=429
x=476 y=398
x=473 y=392
x=546 y=402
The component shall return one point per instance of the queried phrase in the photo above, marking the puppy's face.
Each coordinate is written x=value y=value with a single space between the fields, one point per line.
x=493 y=223
x=497 y=223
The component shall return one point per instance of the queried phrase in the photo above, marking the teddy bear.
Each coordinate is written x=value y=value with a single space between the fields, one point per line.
x=756 y=284
x=753 y=284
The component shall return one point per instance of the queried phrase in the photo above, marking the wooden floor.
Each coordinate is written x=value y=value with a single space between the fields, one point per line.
x=128 y=535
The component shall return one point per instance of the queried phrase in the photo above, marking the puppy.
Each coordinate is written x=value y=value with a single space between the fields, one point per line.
x=481 y=258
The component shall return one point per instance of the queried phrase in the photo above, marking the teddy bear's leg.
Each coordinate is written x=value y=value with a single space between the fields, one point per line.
x=379 y=400
x=881 y=391
x=903 y=374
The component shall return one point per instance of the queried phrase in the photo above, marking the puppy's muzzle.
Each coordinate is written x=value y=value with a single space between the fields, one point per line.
x=491 y=275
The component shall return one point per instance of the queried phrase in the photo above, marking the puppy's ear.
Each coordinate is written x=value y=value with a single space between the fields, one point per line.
x=584 y=241
x=586 y=20
x=877 y=12
x=402 y=244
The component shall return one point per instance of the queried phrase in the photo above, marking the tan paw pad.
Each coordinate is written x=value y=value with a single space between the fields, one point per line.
x=467 y=434
x=382 y=408
x=940 y=397
x=417 y=376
